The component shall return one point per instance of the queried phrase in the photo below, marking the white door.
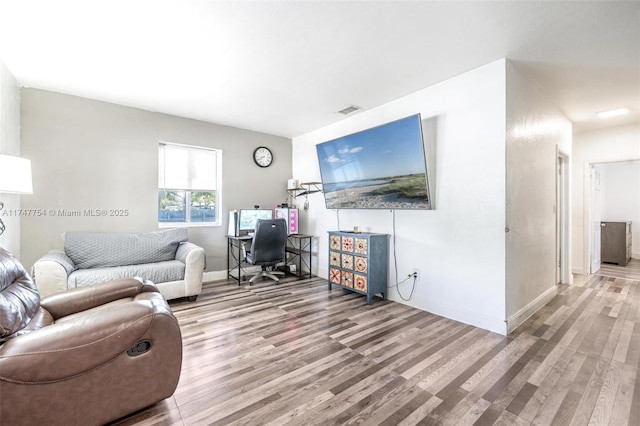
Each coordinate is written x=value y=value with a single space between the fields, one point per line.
x=596 y=218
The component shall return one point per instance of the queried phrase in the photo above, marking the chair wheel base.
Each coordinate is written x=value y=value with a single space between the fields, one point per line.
x=266 y=274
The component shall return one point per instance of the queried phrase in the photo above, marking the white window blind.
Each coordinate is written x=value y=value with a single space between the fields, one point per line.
x=186 y=167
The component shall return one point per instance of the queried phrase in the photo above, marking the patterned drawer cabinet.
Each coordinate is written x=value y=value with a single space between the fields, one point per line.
x=358 y=262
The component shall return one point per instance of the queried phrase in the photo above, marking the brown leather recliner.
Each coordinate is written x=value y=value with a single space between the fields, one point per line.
x=85 y=356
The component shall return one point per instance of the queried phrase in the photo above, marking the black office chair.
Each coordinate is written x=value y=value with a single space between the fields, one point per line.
x=268 y=247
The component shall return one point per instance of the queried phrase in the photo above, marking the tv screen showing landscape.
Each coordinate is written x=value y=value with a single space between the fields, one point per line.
x=379 y=168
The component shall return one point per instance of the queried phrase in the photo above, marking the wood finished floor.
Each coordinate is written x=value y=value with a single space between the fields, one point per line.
x=298 y=354
x=630 y=271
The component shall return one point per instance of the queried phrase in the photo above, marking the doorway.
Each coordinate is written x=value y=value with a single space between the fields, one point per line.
x=610 y=200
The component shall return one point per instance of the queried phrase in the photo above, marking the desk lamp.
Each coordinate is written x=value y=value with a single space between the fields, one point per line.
x=15 y=178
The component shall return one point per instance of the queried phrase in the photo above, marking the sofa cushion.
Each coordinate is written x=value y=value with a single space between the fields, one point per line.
x=97 y=250
x=159 y=272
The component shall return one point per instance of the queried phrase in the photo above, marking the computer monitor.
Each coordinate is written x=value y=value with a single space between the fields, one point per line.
x=248 y=218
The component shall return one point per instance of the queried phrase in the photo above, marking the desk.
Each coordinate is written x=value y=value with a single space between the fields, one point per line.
x=235 y=255
x=299 y=246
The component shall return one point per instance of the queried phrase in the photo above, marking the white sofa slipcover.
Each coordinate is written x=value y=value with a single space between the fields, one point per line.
x=166 y=258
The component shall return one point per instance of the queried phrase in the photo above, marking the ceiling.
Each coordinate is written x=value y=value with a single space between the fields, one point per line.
x=285 y=68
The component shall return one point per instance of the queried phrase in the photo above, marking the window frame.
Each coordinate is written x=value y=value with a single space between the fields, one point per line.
x=188 y=191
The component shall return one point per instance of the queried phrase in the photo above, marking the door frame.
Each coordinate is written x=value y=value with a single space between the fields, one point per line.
x=594 y=224
x=563 y=217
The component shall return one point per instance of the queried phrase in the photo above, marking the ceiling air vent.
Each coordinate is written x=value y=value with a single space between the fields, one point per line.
x=350 y=109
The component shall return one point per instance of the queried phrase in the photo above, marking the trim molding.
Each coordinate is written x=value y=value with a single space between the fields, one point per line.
x=496 y=325
x=214 y=276
x=222 y=275
x=475 y=319
x=521 y=316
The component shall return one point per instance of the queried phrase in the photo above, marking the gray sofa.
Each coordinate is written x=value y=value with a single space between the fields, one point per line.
x=166 y=258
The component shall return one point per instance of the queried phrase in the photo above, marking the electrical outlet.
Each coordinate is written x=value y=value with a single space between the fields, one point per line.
x=416 y=274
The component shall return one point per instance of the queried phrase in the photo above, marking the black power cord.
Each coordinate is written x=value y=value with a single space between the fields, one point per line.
x=395 y=263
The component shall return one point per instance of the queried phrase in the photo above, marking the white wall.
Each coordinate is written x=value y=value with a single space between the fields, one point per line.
x=535 y=130
x=621 y=197
x=459 y=247
x=88 y=154
x=618 y=143
x=10 y=144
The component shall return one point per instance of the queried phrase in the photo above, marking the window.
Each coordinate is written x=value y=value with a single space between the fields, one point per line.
x=188 y=185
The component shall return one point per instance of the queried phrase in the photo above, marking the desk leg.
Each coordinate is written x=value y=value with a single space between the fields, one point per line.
x=310 y=256
x=229 y=248
x=239 y=261
x=231 y=244
x=299 y=274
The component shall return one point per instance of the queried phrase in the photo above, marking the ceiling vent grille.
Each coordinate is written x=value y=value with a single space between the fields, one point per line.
x=349 y=110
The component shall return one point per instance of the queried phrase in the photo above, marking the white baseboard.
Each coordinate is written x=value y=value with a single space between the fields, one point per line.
x=222 y=275
x=214 y=276
x=521 y=316
x=496 y=325
x=579 y=271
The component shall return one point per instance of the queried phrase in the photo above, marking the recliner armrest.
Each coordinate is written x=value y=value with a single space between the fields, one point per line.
x=83 y=298
x=77 y=346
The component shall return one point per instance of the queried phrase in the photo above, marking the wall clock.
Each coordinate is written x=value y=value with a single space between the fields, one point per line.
x=263 y=156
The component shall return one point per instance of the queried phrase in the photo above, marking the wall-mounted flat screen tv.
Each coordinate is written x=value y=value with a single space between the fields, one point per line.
x=379 y=168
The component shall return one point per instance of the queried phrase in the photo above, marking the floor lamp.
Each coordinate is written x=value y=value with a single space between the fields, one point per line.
x=15 y=178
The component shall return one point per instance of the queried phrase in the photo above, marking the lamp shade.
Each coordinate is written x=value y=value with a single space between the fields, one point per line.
x=15 y=175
